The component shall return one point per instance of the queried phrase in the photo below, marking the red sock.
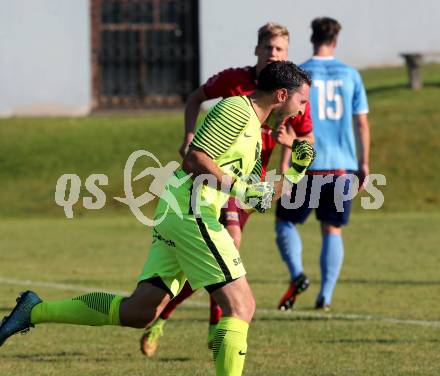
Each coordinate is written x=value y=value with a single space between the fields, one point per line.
x=186 y=292
x=216 y=312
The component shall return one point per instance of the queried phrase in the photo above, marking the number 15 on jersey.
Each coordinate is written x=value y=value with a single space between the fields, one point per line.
x=330 y=104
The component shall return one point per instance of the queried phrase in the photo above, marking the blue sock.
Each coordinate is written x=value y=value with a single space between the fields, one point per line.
x=332 y=256
x=290 y=247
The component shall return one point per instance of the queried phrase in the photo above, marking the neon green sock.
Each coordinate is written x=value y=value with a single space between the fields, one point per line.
x=229 y=347
x=93 y=309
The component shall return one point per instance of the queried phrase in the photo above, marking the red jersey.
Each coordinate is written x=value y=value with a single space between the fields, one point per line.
x=243 y=81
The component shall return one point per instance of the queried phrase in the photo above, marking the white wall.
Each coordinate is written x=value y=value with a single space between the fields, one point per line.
x=374 y=32
x=45 y=53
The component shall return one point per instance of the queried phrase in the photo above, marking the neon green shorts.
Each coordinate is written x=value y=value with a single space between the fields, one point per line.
x=194 y=249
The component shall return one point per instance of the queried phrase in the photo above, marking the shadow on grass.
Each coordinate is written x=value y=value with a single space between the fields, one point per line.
x=62 y=357
x=431 y=84
x=353 y=281
x=290 y=317
x=46 y=357
x=176 y=359
x=384 y=89
x=368 y=341
x=276 y=316
x=389 y=282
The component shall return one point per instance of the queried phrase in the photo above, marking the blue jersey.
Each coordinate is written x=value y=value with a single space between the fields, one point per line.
x=337 y=93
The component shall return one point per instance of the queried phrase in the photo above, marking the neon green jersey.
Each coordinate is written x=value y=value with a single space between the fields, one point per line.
x=230 y=134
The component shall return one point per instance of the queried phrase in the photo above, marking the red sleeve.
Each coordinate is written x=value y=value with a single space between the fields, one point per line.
x=219 y=84
x=302 y=124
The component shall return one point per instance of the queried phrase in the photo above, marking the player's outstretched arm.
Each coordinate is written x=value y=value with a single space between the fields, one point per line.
x=192 y=110
x=363 y=134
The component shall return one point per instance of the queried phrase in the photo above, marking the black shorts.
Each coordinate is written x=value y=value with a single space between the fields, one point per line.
x=328 y=200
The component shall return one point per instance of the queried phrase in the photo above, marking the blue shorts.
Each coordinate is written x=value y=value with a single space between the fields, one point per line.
x=331 y=207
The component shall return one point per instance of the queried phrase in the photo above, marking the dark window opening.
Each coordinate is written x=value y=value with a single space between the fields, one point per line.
x=145 y=52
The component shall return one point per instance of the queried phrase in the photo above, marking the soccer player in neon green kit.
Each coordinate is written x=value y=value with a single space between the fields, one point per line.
x=272 y=45
x=190 y=243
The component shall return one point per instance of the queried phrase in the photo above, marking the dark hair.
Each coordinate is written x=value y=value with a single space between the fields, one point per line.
x=282 y=74
x=325 y=30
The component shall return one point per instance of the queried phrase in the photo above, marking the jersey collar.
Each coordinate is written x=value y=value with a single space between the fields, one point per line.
x=323 y=57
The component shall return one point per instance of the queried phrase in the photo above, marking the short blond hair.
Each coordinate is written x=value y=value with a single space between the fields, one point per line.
x=270 y=30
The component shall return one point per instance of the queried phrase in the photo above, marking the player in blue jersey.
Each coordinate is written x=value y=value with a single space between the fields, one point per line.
x=337 y=98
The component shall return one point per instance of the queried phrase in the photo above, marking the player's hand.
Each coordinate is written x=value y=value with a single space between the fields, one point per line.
x=363 y=172
x=284 y=135
x=257 y=196
x=303 y=155
x=185 y=144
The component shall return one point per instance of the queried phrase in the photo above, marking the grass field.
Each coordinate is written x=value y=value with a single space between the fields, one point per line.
x=36 y=152
x=385 y=316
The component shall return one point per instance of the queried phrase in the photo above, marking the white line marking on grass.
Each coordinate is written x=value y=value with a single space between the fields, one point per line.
x=264 y=311
x=57 y=286
x=350 y=317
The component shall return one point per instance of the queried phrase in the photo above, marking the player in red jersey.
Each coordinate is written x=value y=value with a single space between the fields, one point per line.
x=273 y=43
